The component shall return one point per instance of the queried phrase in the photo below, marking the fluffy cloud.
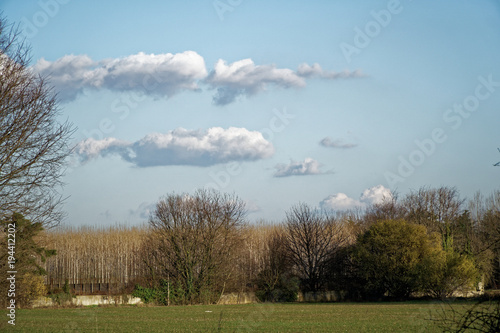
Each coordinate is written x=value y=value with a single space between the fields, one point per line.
x=183 y=147
x=375 y=195
x=159 y=75
x=328 y=142
x=243 y=77
x=340 y=201
x=307 y=167
x=163 y=75
x=91 y=148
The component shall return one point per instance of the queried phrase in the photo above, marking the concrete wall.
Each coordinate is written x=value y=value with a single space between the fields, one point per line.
x=90 y=300
x=231 y=298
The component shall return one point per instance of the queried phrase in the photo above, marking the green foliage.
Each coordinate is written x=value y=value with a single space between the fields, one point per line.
x=66 y=286
x=450 y=272
x=28 y=255
x=391 y=258
x=397 y=258
x=31 y=287
x=62 y=296
x=27 y=250
x=165 y=293
x=148 y=295
x=180 y=294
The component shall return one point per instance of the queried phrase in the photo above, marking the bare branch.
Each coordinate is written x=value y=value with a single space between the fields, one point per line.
x=33 y=144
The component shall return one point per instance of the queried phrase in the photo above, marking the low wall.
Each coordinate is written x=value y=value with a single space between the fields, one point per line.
x=90 y=300
x=231 y=298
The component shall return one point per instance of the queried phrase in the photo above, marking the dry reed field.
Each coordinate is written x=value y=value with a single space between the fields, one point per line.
x=112 y=260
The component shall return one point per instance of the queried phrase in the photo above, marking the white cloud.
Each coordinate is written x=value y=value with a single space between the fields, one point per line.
x=243 y=77
x=92 y=148
x=183 y=147
x=328 y=142
x=376 y=195
x=160 y=75
x=307 y=167
x=370 y=196
x=315 y=70
x=339 y=201
x=69 y=74
x=163 y=75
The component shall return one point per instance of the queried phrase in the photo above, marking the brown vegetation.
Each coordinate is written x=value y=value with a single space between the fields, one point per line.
x=94 y=260
x=309 y=246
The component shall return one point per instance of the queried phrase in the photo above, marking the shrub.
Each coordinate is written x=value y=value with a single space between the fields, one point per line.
x=147 y=295
x=156 y=295
x=31 y=287
x=62 y=296
x=392 y=257
x=451 y=272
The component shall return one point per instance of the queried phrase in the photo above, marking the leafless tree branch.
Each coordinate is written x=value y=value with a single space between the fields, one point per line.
x=33 y=144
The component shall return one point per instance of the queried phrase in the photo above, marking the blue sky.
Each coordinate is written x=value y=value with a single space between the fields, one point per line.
x=332 y=103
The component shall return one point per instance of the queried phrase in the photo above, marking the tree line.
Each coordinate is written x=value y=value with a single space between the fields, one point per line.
x=195 y=247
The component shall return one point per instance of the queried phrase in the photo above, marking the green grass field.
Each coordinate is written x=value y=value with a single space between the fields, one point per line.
x=297 y=317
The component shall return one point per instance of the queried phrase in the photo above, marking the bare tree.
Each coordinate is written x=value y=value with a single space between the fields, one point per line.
x=33 y=144
x=389 y=209
x=312 y=238
x=275 y=281
x=198 y=236
x=435 y=208
x=485 y=215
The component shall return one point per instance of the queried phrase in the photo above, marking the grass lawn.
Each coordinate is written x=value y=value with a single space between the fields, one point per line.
x=296 y=317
